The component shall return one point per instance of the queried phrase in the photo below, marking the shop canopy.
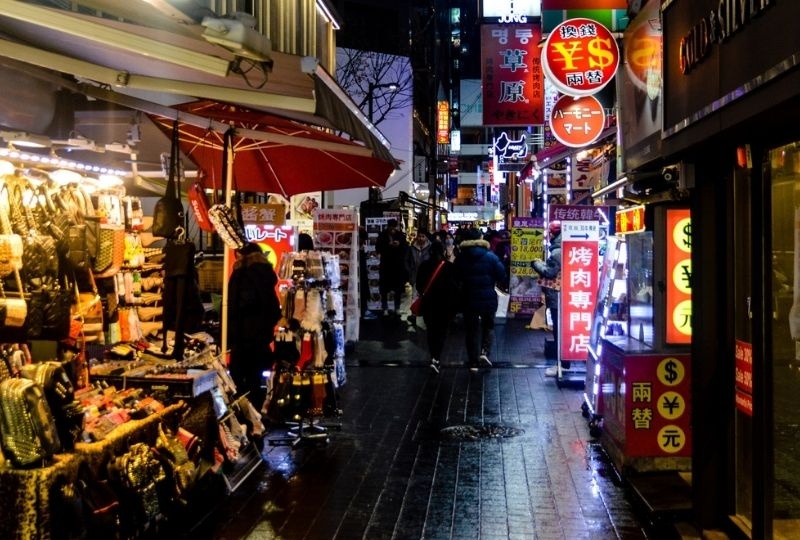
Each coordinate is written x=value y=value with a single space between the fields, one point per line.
x=162 y=65
x=288 y=157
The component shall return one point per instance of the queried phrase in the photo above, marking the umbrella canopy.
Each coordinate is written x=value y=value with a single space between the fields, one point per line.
x=275 y=155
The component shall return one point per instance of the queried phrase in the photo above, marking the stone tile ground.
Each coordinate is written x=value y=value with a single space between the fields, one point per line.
x=389 y=474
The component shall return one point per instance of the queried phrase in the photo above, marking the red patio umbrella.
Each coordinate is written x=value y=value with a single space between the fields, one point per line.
x=296 y=158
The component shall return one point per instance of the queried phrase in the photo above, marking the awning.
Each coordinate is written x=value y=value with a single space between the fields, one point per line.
x=174 y=64
x=559 y=152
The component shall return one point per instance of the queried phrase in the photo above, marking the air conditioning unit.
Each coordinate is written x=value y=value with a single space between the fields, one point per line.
x=239 y=36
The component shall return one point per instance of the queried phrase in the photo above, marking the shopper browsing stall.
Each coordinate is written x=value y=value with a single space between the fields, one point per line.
x=550 y=280
x=391 y=246
x=253 y=312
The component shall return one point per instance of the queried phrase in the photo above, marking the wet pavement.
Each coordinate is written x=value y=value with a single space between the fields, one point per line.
x=503 y=453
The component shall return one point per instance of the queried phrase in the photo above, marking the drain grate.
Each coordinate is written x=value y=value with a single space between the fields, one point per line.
x=474 y=433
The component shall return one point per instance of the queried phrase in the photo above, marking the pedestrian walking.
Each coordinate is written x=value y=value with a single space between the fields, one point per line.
x=391 y=245
x=253 y=312
x=479 y=271
x=550 y=280
x=418 y=252
x=436 y=282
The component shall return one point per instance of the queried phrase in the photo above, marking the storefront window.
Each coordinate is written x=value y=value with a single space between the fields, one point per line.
x=785 y=174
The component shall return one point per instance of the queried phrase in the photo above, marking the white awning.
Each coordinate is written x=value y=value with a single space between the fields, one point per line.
x=173 y=65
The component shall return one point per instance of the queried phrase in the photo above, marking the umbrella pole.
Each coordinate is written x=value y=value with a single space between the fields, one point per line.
x=227 y=181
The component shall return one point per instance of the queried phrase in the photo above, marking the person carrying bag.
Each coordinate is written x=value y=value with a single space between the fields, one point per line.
x=437 y=300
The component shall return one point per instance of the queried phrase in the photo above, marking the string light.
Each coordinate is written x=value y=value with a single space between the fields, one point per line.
x=54 y=161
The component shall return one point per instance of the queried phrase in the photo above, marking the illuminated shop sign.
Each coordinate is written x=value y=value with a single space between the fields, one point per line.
x=517 y=11
x=629 y=220
x=679 y=277
x=443 y=123
x=721 y=23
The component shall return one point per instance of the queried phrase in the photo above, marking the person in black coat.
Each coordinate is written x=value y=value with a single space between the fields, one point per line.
x=253 y=311
x=439 y=300
x=479 y=271
x=392 y=245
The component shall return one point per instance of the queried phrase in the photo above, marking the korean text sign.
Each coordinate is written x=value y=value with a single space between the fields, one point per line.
x=513 y=89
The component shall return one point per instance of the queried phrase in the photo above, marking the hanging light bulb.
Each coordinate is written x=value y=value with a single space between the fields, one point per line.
x=6 y=167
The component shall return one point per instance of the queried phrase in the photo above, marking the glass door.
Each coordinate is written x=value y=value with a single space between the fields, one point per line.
x=784 y=165
x=743 y=330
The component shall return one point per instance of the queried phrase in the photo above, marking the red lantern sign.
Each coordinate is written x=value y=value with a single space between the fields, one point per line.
x=577 y=122
x=580 y=57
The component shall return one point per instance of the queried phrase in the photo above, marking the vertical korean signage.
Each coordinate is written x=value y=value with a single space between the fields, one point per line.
x=527 y=245
x=657 y=408
x=678 y=242
x=579 y=277
x=513 y=90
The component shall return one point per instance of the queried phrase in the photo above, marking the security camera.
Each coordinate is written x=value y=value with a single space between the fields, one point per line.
x=670 y=174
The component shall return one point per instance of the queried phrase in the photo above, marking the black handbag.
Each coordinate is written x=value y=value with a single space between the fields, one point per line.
x=168 y=213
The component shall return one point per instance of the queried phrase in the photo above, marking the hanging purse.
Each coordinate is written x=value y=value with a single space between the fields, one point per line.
x=198 y=202
x=168 y=211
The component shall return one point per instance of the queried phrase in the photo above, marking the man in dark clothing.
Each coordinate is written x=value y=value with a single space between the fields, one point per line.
x=478 y=270
x=439 y=299
x=253 y=312
x=550 y=280
x=391 y=246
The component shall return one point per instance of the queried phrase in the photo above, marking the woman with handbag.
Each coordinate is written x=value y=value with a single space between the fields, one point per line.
x=438 y=290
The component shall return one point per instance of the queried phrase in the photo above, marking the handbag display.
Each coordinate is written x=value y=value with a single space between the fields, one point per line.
x=26 y=423
x=223 y=217
x=416 y=305
x=198 y=202
x=110 y=251
x=168 y=212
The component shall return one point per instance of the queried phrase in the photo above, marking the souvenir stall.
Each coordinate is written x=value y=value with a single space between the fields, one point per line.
x=638 y=368
x=116 y=413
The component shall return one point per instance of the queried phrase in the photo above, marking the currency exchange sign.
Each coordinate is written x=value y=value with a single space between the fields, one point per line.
x=580 y=57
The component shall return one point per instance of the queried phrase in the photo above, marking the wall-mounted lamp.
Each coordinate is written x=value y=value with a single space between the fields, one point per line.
x=24 y=139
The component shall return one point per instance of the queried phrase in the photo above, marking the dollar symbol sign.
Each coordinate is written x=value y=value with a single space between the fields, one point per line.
x=599 y=53
x=672 y=372
x=687 y=236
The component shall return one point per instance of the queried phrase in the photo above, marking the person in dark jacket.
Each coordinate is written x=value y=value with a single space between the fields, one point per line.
x=391 y=245
x=253 y=311
x=550 y=280
x=479 y=271
x=439 y=300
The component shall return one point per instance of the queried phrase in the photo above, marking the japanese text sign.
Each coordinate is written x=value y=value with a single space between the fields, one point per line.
x=274 y=241
x=513 y=91
x=576 y=122
x=527 y=244
x=263 y=214
x=678 y=243
x=580 y=57
x=443 y=123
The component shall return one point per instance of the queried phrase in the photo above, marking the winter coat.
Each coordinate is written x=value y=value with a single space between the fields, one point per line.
x=550 y=272
x=253 y=305
x=478 y=270
x=393 y=258
x=415 y=255
x=441 y=299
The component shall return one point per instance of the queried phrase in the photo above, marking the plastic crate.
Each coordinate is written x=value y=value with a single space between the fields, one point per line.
x=209 y=274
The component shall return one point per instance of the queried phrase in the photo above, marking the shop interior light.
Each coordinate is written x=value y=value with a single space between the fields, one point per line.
x=65 y=176
x=24 y=139
x=6 y=167
x=26 y=158
x=109 y=181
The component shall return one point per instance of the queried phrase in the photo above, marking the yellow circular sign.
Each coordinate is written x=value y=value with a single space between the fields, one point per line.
x=670 y=371
x=671 y=405
x=682 y=276
x=671 y=439
x=682 y=317
x=682 y=235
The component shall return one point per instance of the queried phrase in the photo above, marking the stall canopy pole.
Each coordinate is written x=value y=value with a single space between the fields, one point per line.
x=227 y=182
